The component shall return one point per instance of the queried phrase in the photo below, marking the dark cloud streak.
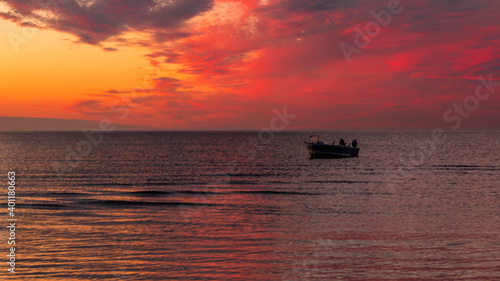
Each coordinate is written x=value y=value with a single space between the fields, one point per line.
x=97 y=21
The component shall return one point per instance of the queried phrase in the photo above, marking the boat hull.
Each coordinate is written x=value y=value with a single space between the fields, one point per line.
x=331 y=151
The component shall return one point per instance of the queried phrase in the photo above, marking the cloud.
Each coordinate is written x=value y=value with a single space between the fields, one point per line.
x=91 y=108
x=425 y=60
x=113 y=91
x=95 y=21
x=167 y=83
x=229 y=62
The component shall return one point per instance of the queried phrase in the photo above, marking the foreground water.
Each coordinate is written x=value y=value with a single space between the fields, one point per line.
x=206 y=206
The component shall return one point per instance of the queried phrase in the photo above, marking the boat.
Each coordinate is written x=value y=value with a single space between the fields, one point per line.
x=318 y=149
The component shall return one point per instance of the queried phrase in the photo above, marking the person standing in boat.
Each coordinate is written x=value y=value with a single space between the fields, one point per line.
x=342 y=142
x=354 y=143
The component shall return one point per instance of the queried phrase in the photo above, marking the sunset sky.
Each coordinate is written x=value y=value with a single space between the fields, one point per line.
x=200 y=64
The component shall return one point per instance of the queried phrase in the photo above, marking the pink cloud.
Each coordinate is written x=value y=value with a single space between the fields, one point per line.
x=243 y=58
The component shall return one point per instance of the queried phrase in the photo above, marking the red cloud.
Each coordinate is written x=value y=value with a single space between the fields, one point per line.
x=239 y=59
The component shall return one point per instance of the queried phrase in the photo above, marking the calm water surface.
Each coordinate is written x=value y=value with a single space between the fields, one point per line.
x=192 y=206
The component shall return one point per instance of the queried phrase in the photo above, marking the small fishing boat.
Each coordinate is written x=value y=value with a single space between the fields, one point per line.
x=318 y=149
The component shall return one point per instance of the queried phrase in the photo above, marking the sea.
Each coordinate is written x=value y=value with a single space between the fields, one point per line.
x=250 y=205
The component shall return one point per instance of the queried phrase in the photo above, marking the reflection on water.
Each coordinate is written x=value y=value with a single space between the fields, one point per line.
x=165 y=206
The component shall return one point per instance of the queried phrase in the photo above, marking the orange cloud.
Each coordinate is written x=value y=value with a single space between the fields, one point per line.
x=227 y=64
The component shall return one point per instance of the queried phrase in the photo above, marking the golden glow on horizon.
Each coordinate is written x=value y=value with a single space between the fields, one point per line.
x=51 y=71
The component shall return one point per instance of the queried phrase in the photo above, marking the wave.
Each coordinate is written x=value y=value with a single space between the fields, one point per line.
x=143 y=184
x=274 y=192
x=160 y=193
x=164 y=193
x=67 y=194
x=142 y=203
x=194 y=192
x=109 y=203
x=338 y=181
x=42 y=206
x=466 y=167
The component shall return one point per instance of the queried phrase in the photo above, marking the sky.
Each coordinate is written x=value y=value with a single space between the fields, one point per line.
x=226 y=65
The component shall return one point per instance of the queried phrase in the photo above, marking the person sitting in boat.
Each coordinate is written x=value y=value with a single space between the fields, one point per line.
x=354 y=143
x=342 y=142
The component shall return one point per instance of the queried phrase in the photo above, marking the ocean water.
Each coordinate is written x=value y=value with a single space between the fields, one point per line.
x=233 y=206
